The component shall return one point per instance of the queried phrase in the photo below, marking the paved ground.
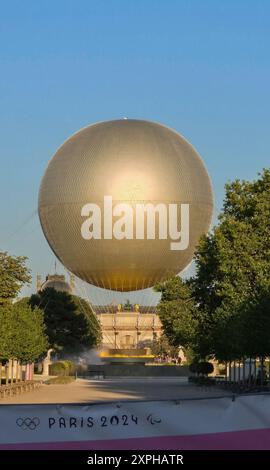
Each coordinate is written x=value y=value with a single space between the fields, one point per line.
x=87 y=391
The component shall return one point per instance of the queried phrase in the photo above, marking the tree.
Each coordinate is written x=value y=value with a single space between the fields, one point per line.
x=13 y=274
x=22 y=332
x=232 y=268
x=177 y=312
x=222 y=311
x=70 y=324
x=94 y=327
x=6 y=334
x=162 y=346
x=233 y=261
x=256 y=326
x=30 y=340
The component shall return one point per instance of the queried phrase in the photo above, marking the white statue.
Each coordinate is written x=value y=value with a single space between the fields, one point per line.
x=46 y=362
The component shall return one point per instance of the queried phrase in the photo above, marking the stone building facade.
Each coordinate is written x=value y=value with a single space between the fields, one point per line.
x=123 y=326
x=137 y=327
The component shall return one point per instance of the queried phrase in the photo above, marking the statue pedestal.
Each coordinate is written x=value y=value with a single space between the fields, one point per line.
x=46 y=363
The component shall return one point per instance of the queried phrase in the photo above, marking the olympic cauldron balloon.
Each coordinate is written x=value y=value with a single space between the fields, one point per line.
x=123 y=203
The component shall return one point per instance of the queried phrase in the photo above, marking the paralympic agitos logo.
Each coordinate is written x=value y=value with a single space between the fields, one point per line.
x=137 y=221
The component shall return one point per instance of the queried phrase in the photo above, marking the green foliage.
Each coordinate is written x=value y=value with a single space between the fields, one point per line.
x=173 y=289
x=201 y=369
x=205 y=368
x=177 y=312
x=61 y=380
x=190 y=354
x=22 y=334
x=193 y=368
x=254 y=322
x=59 y=368
x=70 y=367
x=7 y=325
x=94 y=328
x=223 y=311
x=161 y=347
x=70 y=324
x=13 y=274
x=62 y=368
x=233 y=270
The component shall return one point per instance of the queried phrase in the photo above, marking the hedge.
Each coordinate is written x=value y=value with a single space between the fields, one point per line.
x=62 y=368
x=203 y=368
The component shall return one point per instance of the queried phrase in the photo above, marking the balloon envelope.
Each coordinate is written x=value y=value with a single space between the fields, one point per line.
x=129 y=162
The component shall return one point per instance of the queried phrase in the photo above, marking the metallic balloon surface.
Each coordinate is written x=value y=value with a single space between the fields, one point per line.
x=134 y=162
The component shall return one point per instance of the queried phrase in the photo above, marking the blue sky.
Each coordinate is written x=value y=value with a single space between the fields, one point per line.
x=201 y=67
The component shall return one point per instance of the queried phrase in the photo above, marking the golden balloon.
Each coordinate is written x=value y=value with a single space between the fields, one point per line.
x=123 y=203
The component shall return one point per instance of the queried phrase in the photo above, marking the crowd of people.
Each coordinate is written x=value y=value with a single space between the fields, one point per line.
x=167 y=359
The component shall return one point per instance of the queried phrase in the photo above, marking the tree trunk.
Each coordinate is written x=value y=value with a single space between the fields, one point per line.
x=11 y=371
x=262 y=361
x=32 y=371
x=230 y=372
x=249 y=372
x=17 y=371
x=27 y=372
x=269 y=372
x=244 y=371
x=8 y=374
x=239 y=370
x=234 y=371
x=0 y=373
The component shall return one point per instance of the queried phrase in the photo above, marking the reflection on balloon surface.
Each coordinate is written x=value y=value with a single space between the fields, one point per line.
x=136 y=164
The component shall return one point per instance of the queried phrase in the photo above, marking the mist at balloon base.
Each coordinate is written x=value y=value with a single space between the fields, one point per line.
x=85 y=358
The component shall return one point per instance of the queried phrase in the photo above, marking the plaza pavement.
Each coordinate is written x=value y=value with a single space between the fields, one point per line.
x=116 y=389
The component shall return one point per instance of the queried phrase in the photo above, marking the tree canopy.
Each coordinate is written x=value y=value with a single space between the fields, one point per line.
x=177 y=312
x=232 y=267
x=233 y=261
x=162 y=347
x=222 y=311
x=70 y=323
x=13 y=274
x=22 y=332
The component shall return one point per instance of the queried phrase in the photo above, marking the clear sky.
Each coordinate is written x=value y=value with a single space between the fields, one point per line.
x=201 y=67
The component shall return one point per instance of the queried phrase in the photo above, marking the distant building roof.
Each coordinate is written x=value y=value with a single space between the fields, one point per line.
x=115 y=309
x=57 y=282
